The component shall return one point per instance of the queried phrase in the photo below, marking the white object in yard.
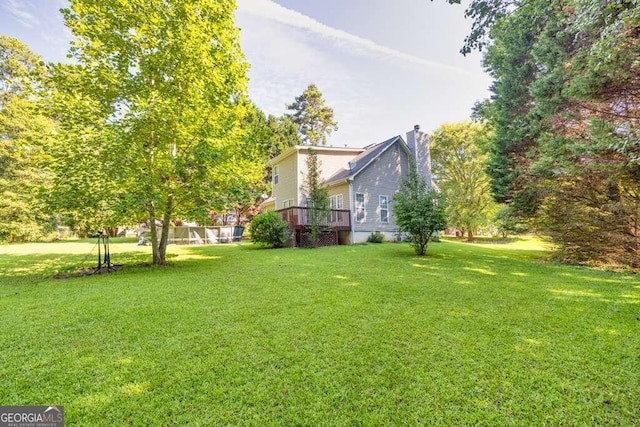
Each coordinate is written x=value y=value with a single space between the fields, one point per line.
x=211 y=236
x=196 y=237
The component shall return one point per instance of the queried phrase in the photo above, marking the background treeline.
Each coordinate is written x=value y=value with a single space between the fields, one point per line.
x=565 y=110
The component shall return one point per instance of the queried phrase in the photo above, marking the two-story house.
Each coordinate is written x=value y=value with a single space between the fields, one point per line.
x=360 y=182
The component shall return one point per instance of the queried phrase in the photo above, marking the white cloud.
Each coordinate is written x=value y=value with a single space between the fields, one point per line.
x=271 y=10
x=284 y=61
x=376 y=92
x=20 y=11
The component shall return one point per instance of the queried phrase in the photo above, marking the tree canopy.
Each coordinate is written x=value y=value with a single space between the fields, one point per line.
x=566 y=118
x=149 y=115
x=261 y=139
x=458 y=156
x=24 y=136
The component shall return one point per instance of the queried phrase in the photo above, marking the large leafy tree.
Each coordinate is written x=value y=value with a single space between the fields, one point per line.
x=566 y=118
x=314 y=119
x=458 y=156
x=248 y=186
x=24 y=134
x=150 y=114
x=419 y=211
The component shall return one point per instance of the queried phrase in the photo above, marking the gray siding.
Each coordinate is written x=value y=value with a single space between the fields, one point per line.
x=419 y=145
x=381 y=177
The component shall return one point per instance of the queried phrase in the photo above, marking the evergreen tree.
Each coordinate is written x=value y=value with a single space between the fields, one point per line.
x=317 y=198
x=284 y=135
x=566 y=119
x=314 y=119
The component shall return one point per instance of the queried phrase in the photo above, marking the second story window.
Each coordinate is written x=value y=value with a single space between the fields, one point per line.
x=276 y=174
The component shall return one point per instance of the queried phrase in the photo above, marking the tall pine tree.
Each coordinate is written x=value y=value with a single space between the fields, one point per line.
x=314 y=119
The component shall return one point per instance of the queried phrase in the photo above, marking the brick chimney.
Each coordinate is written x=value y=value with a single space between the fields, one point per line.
x=418 y=143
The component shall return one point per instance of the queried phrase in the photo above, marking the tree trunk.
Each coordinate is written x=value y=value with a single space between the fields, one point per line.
x=157 y=259
x=159 y=243
x=164 y=238
x=112 y=231
x=421 y=244
x=470 y=236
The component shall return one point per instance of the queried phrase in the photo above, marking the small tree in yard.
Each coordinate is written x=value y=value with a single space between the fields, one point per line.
x=508 y=222
x=317 y=197
x=419 y=211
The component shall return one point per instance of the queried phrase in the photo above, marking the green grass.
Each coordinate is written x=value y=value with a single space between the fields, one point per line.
x=349 y=335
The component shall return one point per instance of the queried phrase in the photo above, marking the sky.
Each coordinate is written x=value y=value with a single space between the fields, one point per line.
x=383 y=66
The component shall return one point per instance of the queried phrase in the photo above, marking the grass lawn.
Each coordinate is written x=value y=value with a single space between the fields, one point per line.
x=349 y=335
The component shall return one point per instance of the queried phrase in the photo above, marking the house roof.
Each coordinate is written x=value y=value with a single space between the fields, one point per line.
x=362 y=160
x=291 y=150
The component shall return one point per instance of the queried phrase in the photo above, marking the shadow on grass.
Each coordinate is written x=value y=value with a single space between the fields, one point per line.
x=35 y=267
x=33 y=263
x=577 y=295
x=485 y=240
x=468 y=253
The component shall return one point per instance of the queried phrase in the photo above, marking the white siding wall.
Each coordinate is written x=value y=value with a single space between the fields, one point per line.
x=344 y=190
x=331 y=161
x=287 y=186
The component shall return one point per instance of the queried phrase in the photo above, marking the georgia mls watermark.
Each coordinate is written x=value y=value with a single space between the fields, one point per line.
x=31 y=416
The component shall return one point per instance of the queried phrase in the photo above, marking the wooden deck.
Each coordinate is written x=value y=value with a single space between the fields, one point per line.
x=333 y=221
x=299 y=218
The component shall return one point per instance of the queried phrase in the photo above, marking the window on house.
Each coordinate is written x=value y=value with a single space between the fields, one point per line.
x=308 y=202
x=336 y=202
x=276 y=174
x=287 y=203
x=384 y=209
x=359 y=205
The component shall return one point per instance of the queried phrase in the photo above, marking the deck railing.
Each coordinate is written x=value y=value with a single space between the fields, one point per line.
x=299 y=217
